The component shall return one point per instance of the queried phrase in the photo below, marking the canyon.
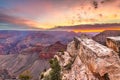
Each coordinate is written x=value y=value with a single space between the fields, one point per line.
x=32 y=50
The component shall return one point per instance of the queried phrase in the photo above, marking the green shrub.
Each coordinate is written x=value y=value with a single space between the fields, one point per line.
x=55 y=72
x=25 y=76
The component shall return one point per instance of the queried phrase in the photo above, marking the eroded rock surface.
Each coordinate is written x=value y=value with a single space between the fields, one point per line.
x=114 y=43
x=86 y=59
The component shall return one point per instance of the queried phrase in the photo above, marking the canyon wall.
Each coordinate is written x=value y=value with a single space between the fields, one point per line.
x=114 y=43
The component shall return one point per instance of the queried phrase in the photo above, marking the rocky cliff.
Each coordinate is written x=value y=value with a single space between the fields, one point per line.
x=101 y=37
x=85 y=59
x=114 y=43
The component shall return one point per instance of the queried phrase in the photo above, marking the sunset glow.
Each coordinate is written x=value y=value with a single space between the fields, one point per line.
x=48 y=14
x=99 y=30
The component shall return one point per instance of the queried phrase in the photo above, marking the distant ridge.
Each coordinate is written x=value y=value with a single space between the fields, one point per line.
x=114 y=26
x=101 y=37
x=90 y=25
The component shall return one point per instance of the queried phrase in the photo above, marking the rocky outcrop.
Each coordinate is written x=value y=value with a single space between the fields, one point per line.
x=114 y=43
x=101 y=37
x=86 y=59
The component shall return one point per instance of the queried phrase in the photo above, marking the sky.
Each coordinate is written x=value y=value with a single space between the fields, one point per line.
x=48 y=14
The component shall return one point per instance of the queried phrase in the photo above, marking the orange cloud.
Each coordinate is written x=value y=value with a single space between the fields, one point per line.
x=18 y=21
x=90 y=28
x=47 y=14
x=95 y=30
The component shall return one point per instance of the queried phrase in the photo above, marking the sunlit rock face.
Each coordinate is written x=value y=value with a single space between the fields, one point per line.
x=114 y=43
x=101 y=37
x=100 y=60
x=86 y=59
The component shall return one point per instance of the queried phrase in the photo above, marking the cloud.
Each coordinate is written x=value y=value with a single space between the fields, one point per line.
x=50 y=13
x=89 y=28
x=4 y=18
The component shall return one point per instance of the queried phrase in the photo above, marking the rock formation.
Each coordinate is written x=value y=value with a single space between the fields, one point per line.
x=86 y=59
x=101 y=37
x=114 y=43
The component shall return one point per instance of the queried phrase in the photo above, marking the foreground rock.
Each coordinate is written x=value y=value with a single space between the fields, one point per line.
x=86 y=59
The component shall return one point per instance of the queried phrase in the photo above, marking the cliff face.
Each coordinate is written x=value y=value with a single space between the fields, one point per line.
x=114 y=43
x=86 y=59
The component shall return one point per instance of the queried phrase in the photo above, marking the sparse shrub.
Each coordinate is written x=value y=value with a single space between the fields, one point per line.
x=25 y=76
x=55 y=72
